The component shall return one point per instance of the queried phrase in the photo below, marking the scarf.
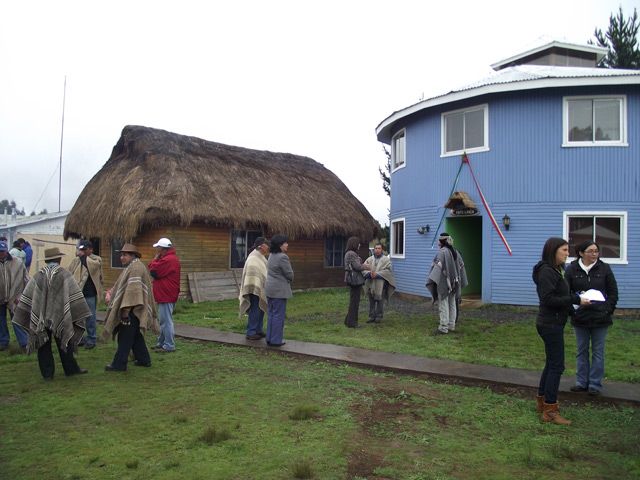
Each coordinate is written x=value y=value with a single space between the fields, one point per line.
x=132 y=291
x=52 y=303
x=584 y=267
x=384 y=275
x=254 y=276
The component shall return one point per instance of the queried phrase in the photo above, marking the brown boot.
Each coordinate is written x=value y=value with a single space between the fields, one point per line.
x=539 y=403
x=551 y=413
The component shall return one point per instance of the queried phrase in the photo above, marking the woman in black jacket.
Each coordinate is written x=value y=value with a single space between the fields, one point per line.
x=591 y=322
x=556 y=303
x=353 y=262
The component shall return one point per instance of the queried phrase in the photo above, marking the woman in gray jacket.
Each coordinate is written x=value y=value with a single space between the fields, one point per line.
x=278 y=289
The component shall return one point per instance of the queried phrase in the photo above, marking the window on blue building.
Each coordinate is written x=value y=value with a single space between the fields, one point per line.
x=398 y=150
x=594 y=121
x=397 y=238
x=465 y=130
x=607 y=229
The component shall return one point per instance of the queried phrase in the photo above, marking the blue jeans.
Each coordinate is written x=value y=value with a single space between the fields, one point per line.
x=277 y=308
x=256 y=316
x=21 y=335
x=553 y=338
x=589 y=375
x=165 y=317
x=90 y=337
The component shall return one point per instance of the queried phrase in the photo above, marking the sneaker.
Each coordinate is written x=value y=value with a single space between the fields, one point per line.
x=262 y=334
x=437 y=331
x=578 y=388
x=90 y=346
x=254 y=337
x=593 y=392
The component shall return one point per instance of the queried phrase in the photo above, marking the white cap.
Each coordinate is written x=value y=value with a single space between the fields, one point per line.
x=164 y=243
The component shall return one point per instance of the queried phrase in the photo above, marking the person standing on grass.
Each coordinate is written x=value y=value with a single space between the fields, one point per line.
x=52 y=306
x=352 y=262
x=446 y=280
x=28 y=251
x=380 y=282
x=17 y=252
x=13 y=279
x=165 y=270
x=556 y=304
x=131 y=311
x=278 y=289
x=86 y=269
x=252 y=293
x=591 y=322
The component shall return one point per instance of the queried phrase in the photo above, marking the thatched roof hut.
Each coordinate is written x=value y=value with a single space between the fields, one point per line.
x=156 y=178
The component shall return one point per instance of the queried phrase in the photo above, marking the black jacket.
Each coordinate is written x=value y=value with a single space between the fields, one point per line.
x=600 y=277
x=556 y=300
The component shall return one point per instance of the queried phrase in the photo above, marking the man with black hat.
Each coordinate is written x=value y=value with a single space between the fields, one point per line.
x=52 y=306
x=13 y=278
x=131 y=310
x=86 y=269
x=252 y=296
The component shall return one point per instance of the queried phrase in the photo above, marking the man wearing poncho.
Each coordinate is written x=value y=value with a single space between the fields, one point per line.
x=13 y=279
x=52 y=305
x=131 y=311
x=446 y=280
x=252 y=297
x=379 y=284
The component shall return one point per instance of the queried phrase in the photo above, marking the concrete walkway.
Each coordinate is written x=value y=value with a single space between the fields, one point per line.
x=463 y=373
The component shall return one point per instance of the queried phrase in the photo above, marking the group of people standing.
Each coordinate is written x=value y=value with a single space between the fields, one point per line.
x=265 y=288
x=59 y=305
x=563 y=294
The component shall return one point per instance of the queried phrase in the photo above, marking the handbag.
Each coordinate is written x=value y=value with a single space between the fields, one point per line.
x=353 y=278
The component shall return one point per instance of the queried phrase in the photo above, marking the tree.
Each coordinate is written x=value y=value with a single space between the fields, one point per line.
x=621 y=41
x=385 y=174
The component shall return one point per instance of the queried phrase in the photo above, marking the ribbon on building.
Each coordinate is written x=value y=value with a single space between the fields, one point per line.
x=465 y=159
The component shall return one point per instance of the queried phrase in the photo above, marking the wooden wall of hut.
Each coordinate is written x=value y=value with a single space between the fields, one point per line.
x=208 y=249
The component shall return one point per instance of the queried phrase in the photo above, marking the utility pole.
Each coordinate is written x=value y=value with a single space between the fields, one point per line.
x=64 y=97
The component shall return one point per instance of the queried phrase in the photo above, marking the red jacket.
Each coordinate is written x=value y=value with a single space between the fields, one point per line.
x=165 y=271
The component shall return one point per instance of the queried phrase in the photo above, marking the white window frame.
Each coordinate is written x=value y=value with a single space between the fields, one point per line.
x=593 y=213
x=599 y=143
x=392 y=252
x=443 y=131
x=394 y=164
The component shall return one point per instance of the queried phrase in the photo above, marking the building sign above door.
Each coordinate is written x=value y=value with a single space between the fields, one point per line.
x=461 y=205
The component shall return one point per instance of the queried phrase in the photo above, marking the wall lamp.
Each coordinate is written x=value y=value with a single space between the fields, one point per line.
x=424 y=229
x=506 y=221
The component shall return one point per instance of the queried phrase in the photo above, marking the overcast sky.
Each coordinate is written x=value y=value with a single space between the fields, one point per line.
x=312 y=78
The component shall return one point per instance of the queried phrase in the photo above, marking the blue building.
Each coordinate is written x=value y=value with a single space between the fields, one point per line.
x=554 y=144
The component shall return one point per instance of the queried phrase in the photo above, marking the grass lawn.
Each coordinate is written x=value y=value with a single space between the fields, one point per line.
x=499 y=335
x=217 y=412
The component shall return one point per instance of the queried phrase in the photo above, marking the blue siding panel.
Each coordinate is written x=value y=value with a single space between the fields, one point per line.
x=527 y=174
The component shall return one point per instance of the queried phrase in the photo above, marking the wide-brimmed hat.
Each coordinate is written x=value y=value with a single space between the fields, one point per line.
x=130 y=248
x=52 y=253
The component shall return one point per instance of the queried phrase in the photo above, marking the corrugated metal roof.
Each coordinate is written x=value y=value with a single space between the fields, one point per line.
x=521 y=77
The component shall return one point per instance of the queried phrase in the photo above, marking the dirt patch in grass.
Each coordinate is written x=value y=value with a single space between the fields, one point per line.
x=384 y=413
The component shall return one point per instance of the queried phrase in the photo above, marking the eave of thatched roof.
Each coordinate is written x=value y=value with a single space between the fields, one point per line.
x=157 y=178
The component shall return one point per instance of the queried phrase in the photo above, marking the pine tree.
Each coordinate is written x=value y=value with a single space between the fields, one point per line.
x=621 y=41
x=385 y=174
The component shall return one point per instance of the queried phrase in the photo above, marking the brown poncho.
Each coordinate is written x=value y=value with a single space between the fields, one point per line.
x=52 y=302
x=132 y=291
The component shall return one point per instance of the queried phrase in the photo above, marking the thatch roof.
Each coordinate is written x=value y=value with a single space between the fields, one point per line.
x=157 y=178
x=460 y=200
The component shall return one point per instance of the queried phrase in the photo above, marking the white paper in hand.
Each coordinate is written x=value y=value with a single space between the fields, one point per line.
x=593 y=295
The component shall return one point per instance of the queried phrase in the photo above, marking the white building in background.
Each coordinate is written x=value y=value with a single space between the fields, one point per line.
x=41 y=231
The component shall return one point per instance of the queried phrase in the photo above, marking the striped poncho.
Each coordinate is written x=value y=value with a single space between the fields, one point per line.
x=52 y=303
x=133 y=292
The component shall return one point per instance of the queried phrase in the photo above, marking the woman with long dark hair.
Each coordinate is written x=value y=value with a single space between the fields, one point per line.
x=353 y=262
x=278 y=289
x=556 y=303
x=591 y=322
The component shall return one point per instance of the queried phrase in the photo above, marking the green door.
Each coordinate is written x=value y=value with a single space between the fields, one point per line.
x=467 y=238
